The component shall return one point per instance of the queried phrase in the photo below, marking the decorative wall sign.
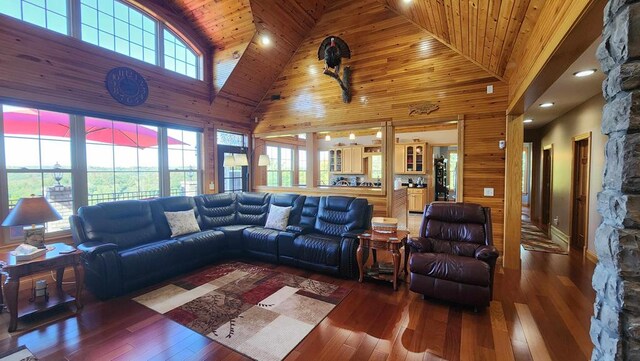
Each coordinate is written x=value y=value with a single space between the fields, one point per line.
x=127 y=86
x=423 y=108
x=332 y=50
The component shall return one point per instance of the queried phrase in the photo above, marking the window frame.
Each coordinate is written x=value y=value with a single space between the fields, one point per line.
x=278 y=163
x=74 y=29
x=79 y=171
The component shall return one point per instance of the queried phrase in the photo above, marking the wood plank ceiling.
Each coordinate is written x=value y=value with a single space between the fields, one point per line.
x=490 y=33
x=485 y=31
x=244 y=69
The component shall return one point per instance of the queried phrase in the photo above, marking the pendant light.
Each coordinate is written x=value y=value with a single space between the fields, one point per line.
x=352 y=136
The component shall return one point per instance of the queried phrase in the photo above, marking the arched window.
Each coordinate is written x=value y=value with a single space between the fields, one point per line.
x=116 y=25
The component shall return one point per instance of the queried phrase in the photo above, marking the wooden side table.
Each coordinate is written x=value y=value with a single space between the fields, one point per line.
x=391 y=242
x=52 y=260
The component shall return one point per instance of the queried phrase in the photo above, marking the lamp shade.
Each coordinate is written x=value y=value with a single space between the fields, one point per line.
x=241 y=159
x=264 y=160
x=34 y=210
x=229 y=161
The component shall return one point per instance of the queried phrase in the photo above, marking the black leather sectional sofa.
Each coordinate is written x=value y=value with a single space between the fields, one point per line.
x=128 y=245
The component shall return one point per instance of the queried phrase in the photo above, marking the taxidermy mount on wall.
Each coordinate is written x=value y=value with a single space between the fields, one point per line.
x=332 y=50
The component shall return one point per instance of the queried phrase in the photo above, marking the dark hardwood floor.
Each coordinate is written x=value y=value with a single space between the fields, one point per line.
x=539 y=313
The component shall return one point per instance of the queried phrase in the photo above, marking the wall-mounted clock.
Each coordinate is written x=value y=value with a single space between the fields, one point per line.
x=127 y=86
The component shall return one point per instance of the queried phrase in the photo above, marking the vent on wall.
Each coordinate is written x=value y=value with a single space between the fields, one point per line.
x=275 y=97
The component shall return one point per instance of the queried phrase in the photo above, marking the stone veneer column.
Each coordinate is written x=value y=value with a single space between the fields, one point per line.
x=615 y=326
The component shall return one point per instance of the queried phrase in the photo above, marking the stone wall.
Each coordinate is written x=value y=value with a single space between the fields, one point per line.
x=615 y=326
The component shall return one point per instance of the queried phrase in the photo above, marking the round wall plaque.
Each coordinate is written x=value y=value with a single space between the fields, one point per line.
x=127 y=86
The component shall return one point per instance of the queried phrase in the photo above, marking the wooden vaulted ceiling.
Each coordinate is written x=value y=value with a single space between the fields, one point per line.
x=492 y=34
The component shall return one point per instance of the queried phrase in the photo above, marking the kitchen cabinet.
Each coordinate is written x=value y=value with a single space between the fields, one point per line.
x=410 y=158
x=346 y=160
x=416 y=199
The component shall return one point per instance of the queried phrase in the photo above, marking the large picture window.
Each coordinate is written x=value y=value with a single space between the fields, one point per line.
x=49 y=14
x=122 y=161
x=183 y=162
x=37 y=149
x=115 y=25
x=280 y=169
x=302 y=167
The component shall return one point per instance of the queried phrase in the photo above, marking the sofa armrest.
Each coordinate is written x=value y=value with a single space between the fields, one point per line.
x=420 y=244
x=93 y=248
x=77 y=230
x=487 y=254
x=299 y=229
x=353 y=233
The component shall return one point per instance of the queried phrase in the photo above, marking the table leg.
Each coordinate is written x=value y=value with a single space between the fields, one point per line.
x=11 y=287
x=396 y=268
x=59 y=277
x=406 y=258
x=360 y=265
x=374 y=252
x=78 y=270
x=2 y=305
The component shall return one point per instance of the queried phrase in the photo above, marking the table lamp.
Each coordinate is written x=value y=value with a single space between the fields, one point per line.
x=32 y=213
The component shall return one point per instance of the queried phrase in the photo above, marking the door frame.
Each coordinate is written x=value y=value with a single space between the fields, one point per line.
x=584 y=136
x=220 y=158
x=548 y=147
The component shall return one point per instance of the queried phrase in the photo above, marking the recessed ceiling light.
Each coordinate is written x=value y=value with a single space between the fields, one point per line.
x=407 y=1
x=265 y=40
x=352 y=136
x=528 y=121
x=584 y=73
x=327 y=138
x=546 y=105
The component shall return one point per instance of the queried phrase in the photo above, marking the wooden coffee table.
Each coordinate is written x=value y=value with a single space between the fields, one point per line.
x=391 y=242
x=52 y=260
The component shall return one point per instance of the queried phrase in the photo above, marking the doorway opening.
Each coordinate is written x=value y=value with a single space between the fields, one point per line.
x=547 y=188
x=580 y=191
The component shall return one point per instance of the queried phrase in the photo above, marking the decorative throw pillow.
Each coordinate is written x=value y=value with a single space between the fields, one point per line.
x=278 y=218
x=182 y=222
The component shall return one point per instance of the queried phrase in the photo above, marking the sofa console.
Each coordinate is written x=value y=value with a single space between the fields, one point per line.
x=128 y=245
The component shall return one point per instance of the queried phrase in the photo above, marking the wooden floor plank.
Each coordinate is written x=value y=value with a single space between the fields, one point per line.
x=537 y=346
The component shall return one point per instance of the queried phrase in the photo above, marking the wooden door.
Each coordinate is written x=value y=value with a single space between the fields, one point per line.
x=347 y=159
x=547 y=159
x=398 y=159
x=580 y=193
x=356 y=160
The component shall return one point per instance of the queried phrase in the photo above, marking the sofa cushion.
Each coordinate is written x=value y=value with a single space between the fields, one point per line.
x=171 y=204
x=233 y=233
x=261 y=239
x=124 y=223
x=278 y=217
x=145 y=260
x=318 y=248
x=183 y=222
x=338 y=215
x=310 y=211
x=451 y=267
x=252 y=208
x=295 y=201
x=216 y=210
x=204 y=243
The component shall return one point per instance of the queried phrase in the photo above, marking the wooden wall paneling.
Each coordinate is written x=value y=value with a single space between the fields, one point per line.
x=313 y=168
x=513 y=192
x=562 y=32
x=461 y=157
x=484 y=167
x=52 y=71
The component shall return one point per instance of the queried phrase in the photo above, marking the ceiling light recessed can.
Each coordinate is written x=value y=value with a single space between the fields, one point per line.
x=407 y=1
x=265 y=40
x=327 y=138
x=528 y=121
x=546 y=105
x=583 y=73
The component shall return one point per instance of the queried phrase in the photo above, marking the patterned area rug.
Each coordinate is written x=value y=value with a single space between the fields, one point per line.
x=258 y=312
x=21 y=353
x=533 y=239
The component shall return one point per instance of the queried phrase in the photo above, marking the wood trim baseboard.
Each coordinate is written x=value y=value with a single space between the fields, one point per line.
x=558 y=235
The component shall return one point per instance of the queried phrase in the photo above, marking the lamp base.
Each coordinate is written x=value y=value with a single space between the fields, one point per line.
x=34 y=236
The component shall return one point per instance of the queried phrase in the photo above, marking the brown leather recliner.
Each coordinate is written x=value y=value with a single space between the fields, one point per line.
x=453 y=258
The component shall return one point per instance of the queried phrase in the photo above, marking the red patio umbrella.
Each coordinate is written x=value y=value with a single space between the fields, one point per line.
x=46 y=123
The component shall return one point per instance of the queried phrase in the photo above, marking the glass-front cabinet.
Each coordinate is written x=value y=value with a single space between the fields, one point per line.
x=410 y=158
